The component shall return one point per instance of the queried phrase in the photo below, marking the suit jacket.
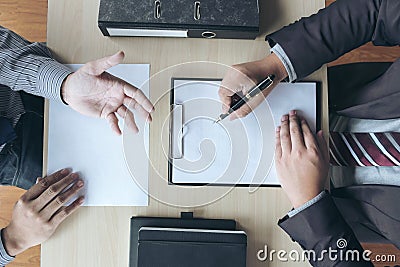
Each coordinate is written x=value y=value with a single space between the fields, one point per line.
x=367 y=212
x=338 y=29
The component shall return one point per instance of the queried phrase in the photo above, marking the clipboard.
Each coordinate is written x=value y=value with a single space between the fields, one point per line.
x=238 y=152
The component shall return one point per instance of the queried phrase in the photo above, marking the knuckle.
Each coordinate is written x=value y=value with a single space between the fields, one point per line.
x=44 y=182
x=52 y=190
x=284 y=123
x=23 y=200
x=40 y=220
x=60 y=200
x=63 y=213
x=21 y=203
x=222 y=91
x=47 y=226
x=30 y=212
x=313 y=151
x=240 y=114
x=285 y=136
x=282 y=163
x=294 y=130
x=299 y=153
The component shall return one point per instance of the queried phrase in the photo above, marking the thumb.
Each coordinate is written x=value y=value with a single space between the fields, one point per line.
x=99 y=66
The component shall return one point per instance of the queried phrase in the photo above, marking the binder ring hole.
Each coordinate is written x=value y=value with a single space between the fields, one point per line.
x=208 y=34
x=157 y=9
x=197 y=10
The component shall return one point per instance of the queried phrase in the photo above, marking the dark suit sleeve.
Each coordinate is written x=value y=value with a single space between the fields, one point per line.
x=344 y=25
x=318 y=228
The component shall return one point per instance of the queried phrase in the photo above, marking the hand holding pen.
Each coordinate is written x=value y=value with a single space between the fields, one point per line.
x=241 y=78
x=253 y=92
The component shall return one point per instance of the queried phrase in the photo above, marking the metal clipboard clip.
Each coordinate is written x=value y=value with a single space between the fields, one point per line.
x=176 y=132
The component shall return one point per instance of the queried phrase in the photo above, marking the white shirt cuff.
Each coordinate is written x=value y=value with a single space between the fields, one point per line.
x=280 y=53
x=307 y=204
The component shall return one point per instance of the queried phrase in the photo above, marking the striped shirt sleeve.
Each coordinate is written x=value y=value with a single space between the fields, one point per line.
x=4 y=257
x=29 y=66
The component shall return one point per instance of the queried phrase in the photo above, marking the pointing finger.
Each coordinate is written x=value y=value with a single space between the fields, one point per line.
x=128 y=118
x=133 y=105
x=278 y=147
x=286 y=142
x=113 y=121
x=296 y=134
x=138 y=96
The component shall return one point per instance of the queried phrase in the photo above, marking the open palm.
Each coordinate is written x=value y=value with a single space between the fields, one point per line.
x=94 y=92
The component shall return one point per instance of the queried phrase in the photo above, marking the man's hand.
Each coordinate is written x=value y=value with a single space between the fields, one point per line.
x=40 y=211
x=302 y=161
x=94 y=92
x=241 y=77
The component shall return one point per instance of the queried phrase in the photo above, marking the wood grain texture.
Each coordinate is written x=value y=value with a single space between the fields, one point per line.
x=8 y=196
x=25 y=17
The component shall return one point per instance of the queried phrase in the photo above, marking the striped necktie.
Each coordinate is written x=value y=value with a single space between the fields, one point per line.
x=364 y=149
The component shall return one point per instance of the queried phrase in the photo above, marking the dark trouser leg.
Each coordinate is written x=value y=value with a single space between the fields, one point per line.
x=21 y=160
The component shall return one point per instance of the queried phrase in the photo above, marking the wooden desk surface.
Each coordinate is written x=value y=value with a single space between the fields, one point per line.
x=99 y=236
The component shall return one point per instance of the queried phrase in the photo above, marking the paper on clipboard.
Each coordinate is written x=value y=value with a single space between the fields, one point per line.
x=236 y=152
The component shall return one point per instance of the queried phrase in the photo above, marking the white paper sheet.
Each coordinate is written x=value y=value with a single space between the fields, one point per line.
x=232 y=152
x=89 y=146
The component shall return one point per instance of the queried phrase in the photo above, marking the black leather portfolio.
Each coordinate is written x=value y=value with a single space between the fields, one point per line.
x=234 y=19
x=186 y=241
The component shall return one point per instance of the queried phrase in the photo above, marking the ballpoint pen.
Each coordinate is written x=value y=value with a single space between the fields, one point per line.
x=254 y=91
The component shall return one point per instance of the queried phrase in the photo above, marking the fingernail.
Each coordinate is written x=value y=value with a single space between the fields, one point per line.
x=292 y=112
x=75 y=175
x=64 y=171
x=278 y=129
x=79 y=183
x=81 y=200
x=285 y=118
